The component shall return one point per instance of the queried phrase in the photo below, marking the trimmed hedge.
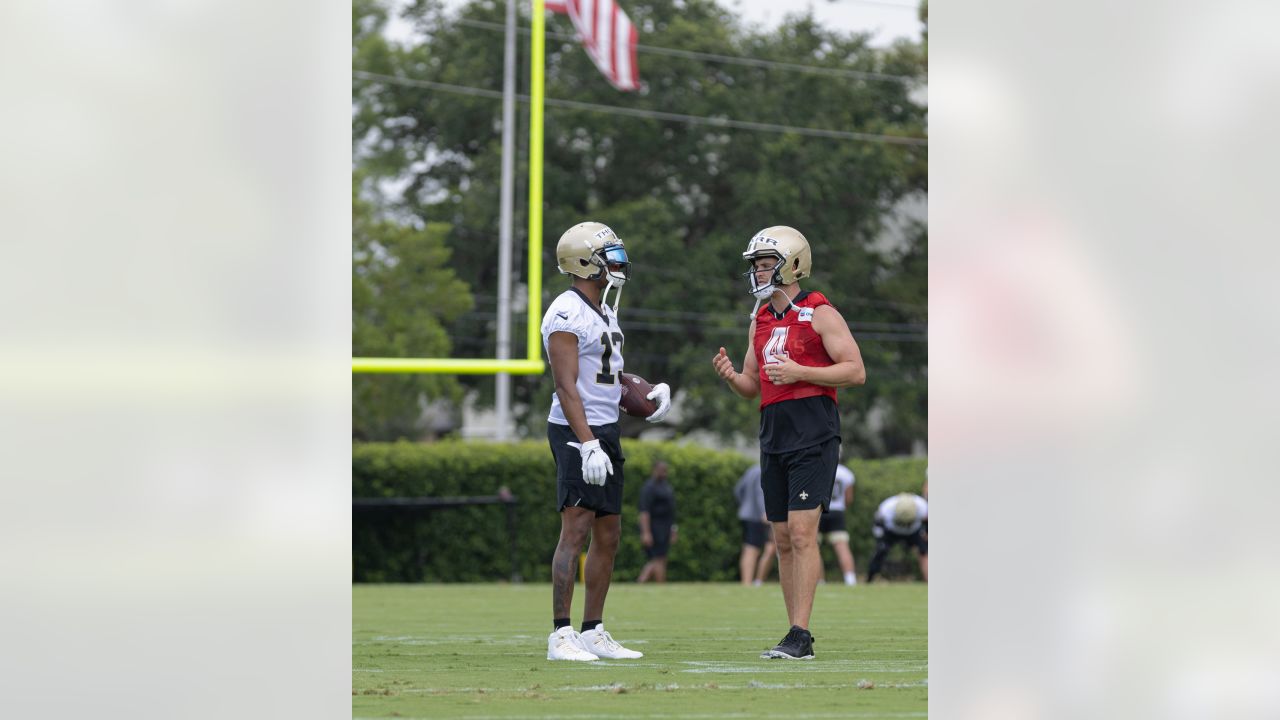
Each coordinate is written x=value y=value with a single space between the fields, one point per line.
x=470 y=543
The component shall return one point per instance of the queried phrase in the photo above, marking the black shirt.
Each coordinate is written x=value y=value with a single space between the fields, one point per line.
x=659 y=500
x=795 y=424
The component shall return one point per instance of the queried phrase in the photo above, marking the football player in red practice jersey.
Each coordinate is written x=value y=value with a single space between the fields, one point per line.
x=799 y=350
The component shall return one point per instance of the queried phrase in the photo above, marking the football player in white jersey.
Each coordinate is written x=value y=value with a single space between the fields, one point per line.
x=584 y=346
x=902 y=518
x=831 y=526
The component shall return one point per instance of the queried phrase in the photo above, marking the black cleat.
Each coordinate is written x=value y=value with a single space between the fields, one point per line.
x=797 y=645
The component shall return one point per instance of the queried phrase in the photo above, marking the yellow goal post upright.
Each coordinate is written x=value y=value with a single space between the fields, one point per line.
x=532 y=364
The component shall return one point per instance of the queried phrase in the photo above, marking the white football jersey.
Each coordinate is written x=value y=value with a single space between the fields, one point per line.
x=599 y=355
x=844 y=479
x=885 y=514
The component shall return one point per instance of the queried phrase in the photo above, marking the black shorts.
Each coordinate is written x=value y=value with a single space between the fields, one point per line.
x=798 y=480
x=571 y=489
x=661 y=542
x=831 y=521
x=755 y=533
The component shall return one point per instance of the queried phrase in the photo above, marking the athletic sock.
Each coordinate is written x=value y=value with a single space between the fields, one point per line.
x=590 y=624
x=562 y=622
x=849 y=579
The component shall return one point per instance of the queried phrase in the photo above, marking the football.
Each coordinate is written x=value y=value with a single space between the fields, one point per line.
x=634 y=402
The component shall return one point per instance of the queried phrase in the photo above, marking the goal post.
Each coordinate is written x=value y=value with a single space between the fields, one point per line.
x=532 y=364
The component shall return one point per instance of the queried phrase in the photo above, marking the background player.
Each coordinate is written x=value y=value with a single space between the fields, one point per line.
x=903 y=518
x=755 y=558
x=657 y=523
x=584 y=345
x=831 y=526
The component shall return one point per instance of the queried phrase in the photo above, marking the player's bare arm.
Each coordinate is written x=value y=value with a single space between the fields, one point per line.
x=563 y=348
x=747 y=382
x=847 y=369
x=750 y=376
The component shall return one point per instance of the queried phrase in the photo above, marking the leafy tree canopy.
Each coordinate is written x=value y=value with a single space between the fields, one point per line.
x=685 y=197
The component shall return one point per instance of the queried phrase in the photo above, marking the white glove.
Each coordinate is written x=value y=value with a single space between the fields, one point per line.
x=662 y=394
x=595 y=462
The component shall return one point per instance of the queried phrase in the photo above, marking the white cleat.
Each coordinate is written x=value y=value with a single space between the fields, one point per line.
x=601 y=644
x=565 y=644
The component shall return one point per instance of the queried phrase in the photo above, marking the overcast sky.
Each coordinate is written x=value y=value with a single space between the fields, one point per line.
x=887 y=19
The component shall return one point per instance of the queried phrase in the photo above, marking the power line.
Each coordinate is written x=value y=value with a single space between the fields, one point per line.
x=714 y=57
x=675 y=315
x=653 y=114
x=729 y=315
x=446 y=87
x=740 y=124
x=907 y=308
x=734 y=332
x=488 y=299
x=890 y=332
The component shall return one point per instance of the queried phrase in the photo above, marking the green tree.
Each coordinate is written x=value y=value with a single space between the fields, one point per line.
x=403 y=292
x=685 y=197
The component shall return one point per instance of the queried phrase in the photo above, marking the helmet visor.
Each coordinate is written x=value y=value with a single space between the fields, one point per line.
x=616 y=263
x=616 y=255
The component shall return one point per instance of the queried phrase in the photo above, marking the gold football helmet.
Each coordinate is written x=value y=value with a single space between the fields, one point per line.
x=794 y=259
x=592 y=250
x=905 y=510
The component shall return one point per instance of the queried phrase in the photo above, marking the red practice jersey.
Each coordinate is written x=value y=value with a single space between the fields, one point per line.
x=793 y=334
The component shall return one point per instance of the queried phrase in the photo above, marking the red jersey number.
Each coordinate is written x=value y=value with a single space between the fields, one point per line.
x=776 y=345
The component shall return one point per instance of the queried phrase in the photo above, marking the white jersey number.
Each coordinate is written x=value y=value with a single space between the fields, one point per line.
x=777 y=344
x=605 y=376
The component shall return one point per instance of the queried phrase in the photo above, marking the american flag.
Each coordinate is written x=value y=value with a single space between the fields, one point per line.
x=608 y=36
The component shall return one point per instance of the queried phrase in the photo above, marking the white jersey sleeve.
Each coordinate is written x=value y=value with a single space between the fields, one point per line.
x=599 y=355
x=844 y=479
x=884 y=513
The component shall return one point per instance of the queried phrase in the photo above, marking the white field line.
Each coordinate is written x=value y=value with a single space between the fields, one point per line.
x=447 y=640
x=715 y=668
x=467 y=640
x=534 y=640
x=753 y=685
x=626 y=664
x=681 y=715
x=808 y=666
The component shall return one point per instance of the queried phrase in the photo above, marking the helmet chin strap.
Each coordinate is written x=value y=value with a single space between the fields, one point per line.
x=616 y=296
x=775 y=289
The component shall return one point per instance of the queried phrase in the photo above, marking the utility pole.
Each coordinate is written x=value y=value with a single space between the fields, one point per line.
x=502 y=387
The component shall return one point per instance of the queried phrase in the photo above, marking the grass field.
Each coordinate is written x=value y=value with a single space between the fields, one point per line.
x=480 y=651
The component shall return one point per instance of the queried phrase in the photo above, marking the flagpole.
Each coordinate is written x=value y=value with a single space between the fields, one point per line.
x=502 y=382
x=537 y=69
